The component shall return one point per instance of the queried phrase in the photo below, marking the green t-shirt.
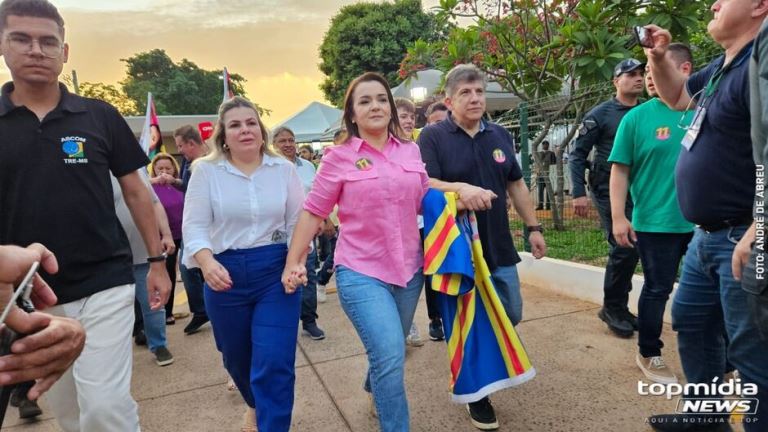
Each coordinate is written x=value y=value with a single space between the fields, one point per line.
x=648 y=141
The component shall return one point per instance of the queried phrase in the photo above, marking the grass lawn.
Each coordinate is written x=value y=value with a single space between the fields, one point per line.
x=583 y=240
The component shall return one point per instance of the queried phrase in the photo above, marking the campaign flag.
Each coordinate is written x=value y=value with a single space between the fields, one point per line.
x=150 y=119
x=485 y=353
x=228 y=93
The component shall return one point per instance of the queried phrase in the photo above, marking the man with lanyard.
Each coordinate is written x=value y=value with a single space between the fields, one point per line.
x=190 y=144
x=475 y=158
x=643 y=161
x=58 y=152
x=598 y=131
x=715 y=180
x=285 y=142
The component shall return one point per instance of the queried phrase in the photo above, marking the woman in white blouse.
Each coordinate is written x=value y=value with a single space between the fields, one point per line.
x=241 y=205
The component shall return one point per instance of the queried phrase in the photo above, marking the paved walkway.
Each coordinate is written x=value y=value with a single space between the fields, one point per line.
x=586 y=380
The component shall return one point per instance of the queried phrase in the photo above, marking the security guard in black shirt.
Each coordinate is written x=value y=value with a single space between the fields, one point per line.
x=598 y=130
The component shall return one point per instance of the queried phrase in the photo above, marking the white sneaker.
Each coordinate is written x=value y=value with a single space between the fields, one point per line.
x=414 y=339
x=321 y=296
x=656 y=370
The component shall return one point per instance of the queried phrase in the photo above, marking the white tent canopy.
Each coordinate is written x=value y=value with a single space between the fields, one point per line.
x=427 y=82
x=310 y=123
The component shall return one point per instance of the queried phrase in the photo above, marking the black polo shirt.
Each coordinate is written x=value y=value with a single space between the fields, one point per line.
x=488 y=161
x=715 y=180
x=55 y=189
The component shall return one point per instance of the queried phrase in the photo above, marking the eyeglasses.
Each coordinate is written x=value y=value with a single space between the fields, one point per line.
x=50 y=46
x=681 y=123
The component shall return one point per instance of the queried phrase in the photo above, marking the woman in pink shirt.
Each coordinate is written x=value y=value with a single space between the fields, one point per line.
x=378 y=181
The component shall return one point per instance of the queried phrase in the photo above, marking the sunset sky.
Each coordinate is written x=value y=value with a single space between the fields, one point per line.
x=272 y=43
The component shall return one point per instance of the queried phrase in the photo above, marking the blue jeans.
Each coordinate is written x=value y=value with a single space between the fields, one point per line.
x=507 y=284
x=154 y=321
x=309 y=291
x=255 y=325
x=708 y=301
x=382 y=315
x=193 y=285
x=660 y=254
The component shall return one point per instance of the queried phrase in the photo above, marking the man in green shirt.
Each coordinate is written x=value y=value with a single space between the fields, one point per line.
x=643 y=158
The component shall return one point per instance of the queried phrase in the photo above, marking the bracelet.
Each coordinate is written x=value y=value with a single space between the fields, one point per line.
x=158 y=258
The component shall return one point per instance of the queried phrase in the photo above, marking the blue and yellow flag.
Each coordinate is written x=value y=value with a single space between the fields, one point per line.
x=484 y=351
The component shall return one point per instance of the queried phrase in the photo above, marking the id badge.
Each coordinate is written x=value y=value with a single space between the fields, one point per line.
x=693 y=130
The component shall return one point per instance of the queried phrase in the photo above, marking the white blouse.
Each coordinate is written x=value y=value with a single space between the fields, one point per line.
x=225 y=209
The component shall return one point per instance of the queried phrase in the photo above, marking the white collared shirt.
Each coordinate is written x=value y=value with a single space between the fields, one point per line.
x=306 y=171
x=225 y=209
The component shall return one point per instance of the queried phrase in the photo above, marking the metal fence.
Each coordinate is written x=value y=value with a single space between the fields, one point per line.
x=568 y=236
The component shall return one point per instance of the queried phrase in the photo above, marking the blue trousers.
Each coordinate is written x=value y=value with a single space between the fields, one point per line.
x=382 y=315
x=660 y=254
x=255 y=325
x=193 y=285
x=154 y=321
x=507 y=284
x=708 y=301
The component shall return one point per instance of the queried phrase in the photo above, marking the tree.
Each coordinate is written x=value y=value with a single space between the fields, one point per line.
x=553 y=54
x=110 y=94
x=177 y=88
x=370 y=37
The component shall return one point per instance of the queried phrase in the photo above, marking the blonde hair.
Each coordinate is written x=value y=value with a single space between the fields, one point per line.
x=218 y=152
x=164 y=156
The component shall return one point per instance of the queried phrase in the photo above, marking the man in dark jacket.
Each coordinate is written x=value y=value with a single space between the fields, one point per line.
x=598 y=131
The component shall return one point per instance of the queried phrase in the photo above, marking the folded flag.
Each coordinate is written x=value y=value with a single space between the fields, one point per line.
x=485 y=353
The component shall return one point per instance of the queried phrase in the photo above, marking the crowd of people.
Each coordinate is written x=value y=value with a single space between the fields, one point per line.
x=256 y=229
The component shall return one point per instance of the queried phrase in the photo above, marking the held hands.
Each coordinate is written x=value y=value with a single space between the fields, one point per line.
x=216 y=276
x=581 y=206
x=476 y=198
x=624 y=233
x=164 y=179
x=293 y=277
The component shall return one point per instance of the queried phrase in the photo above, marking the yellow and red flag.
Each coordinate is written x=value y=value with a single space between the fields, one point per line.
x=485 y=353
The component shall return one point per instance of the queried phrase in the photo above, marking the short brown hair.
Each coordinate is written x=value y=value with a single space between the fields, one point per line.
x=437 y=106
x=188 y=133
x=30 y=8
x=405 y=104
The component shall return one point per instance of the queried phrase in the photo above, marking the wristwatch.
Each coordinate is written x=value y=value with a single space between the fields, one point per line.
x=158 y=258
x=535 y=228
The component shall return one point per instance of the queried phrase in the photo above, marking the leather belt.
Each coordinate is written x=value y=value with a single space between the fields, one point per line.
x=728 y=223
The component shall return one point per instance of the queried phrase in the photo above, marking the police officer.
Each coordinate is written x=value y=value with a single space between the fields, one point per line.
x=598 y=130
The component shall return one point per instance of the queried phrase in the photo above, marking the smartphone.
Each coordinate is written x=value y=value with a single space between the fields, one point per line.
x=643 y=37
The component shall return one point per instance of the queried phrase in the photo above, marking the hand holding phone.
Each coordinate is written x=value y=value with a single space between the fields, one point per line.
x=643 y=36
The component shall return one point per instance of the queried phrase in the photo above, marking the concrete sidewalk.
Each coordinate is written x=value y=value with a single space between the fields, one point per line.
x=587 y=379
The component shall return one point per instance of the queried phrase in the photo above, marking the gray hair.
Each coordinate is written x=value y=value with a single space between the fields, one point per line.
x=280 y=130
x=463 y=73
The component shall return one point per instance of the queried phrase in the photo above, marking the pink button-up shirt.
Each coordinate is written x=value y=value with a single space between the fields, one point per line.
x=379 y=196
